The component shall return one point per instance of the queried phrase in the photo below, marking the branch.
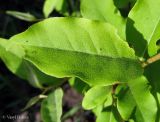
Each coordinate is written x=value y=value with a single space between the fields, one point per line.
x=151 y=60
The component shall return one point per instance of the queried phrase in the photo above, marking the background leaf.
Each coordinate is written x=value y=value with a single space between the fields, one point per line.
x=96 y=96
x=141 y=96
x=22 y=16
x=79 y=85
x=32 y=102
x=104 y=10
x=142 y=26
x=109 y=114
x=125 y=103
x=50 y=5
x=51 y=108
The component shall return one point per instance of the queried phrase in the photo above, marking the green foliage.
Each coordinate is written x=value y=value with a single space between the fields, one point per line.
x=22 y=16
x=143 y=26
x=79 y=85
x=109 y=115
x=24 y=69
x=108 y=52
x=58 y=5
x=51 y=108
x=33 y=101
x=123 y=3
x=124 y=100
x=118 y=58
x=101 y=93
x=139 y=96
x=104 y=10
x=152 y=73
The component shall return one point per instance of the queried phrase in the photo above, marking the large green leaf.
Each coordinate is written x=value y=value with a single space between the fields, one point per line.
x=23 y=68
x=143 y=24
x=104 y=10
x=142 y=98
x=90 y=50
x=96 y=96
x=51 y=108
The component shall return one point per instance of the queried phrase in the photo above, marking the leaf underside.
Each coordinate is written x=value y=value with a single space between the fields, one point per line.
x=90 y=50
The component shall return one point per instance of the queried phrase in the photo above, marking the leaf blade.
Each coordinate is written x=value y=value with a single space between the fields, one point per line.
x=22 y=16
x=125 y=103
x=145 y=99
x=143 y=13
x=22 y=68
x=96 y=96
x=50 y=5
x=104 y=10
x=139 y=96
x=80 y=45
x=51 y=107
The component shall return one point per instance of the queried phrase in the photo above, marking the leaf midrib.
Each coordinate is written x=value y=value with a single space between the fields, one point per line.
x=85 y=53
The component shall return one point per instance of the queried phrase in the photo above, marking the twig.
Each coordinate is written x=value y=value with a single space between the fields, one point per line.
x=151 y=60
